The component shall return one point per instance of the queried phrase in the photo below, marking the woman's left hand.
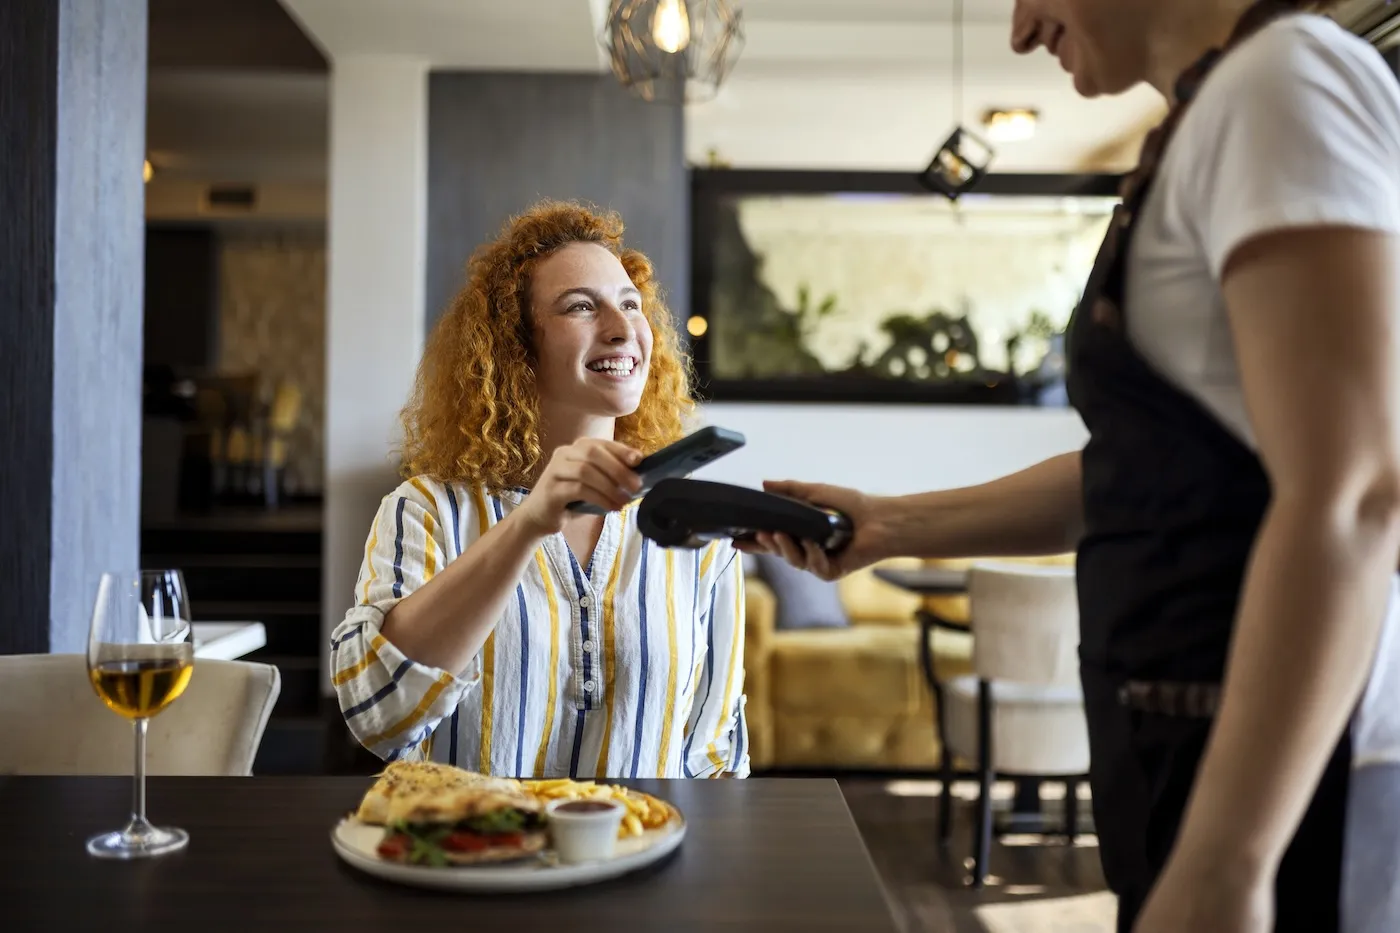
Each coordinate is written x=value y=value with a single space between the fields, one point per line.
x=1208 y=899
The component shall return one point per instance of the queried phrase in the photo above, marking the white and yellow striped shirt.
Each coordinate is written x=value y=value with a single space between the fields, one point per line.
x=632 y=667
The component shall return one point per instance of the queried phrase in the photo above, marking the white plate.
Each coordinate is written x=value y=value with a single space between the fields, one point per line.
x=356 y=842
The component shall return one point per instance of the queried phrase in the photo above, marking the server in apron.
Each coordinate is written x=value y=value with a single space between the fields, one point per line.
x=1236 y=360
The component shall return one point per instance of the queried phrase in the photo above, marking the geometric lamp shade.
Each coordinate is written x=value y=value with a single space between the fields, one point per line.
x=673 y=51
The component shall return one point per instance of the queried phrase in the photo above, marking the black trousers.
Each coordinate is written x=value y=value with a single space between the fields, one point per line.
x=1143 y=767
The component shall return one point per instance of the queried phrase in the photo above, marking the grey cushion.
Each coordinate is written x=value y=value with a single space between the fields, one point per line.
x=804 y=600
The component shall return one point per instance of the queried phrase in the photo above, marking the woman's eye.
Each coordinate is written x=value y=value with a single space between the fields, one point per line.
x=580 y=306
x=631 y=305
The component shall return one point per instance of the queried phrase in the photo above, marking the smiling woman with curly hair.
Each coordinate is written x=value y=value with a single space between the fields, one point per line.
x=496 y=629
x=475 y=412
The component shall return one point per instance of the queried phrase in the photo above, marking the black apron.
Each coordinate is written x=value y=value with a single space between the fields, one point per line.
x=1172 y=505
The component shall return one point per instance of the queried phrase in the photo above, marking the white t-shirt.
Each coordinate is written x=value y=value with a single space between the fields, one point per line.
x=1298 y=126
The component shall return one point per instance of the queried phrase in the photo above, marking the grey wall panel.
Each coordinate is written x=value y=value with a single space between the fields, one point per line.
x=498 y=142
x=98 y=262
x=73 y=137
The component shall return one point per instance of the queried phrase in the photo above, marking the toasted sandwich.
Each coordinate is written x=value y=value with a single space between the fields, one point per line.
x=410 y=778
x=467 y=826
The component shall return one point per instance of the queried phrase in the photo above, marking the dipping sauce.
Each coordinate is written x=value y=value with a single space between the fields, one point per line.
x=584 y=806
x=584 y=830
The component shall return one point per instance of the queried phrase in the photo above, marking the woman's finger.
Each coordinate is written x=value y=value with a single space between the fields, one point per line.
x=611 y=461
x=586 y=481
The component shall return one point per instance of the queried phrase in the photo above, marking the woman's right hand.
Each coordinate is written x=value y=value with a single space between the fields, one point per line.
x=591 y=470
x=862 y=550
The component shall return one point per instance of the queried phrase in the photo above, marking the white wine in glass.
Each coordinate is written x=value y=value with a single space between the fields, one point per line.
x=140 y=658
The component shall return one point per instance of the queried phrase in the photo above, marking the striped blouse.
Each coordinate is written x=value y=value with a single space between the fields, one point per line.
x=631 y=667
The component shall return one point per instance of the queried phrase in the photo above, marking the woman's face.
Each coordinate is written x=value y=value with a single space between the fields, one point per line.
x=1101 y=43
x=592 y=342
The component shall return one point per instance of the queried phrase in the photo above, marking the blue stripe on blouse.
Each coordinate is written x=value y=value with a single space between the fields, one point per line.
x=382 y=692
x=709 y=678
x=524 y=680
x=740 y=730
x=524 y=657
x=578 y=745
x=694 y=614
x=457 y=538
x=456 y=519
x=452 y=751
x=347 y=636
x=642 y=684
x=398 y=551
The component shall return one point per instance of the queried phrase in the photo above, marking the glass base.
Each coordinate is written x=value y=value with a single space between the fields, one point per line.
x=138 y=841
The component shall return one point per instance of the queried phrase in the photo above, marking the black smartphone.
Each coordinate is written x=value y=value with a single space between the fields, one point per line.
x=684 y=456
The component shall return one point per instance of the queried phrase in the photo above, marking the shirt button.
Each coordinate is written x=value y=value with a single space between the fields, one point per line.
x=588 y=645
x=585 y=602
x=588 y=686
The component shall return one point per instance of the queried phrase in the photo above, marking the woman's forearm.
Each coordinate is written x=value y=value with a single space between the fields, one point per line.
x=445 y=622
x=1313 y=605
x=1038 y=510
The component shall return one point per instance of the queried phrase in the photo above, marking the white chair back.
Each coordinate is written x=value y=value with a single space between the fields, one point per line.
x=54 y=723
x=1025 y=623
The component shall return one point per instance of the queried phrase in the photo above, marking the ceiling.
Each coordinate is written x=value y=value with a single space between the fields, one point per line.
x=238 y=88
x=239 y=35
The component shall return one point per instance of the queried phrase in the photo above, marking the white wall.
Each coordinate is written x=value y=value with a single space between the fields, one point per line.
x=374 y=313
x=888 y=449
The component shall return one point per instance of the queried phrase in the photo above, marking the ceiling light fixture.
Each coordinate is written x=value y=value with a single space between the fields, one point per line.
x=673 y=51
x=962 y=160
x=147 y=170
x=1010 y=126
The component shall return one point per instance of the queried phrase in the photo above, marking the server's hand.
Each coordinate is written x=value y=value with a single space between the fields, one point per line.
x=862 y=550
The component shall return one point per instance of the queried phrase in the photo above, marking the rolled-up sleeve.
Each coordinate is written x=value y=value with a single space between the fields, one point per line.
x=718 y=733
x=390 y=702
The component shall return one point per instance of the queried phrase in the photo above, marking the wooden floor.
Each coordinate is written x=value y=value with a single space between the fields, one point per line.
x=925 y=882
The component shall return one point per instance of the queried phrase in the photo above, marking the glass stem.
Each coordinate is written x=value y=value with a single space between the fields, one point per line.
x=138 y=790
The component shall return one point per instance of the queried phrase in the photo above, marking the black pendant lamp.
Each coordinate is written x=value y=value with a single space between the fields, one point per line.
x=962 y=160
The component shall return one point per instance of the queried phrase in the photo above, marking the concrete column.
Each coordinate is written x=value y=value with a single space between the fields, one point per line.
x=72 y=138
x=374 y=313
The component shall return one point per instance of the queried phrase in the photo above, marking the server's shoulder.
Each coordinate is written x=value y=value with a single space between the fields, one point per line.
x=1305 y=53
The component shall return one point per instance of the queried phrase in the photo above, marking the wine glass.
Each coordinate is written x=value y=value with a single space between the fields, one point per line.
x=140 y=657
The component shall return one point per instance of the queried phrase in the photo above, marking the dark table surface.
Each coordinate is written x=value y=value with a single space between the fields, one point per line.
x=926 y=581
x=759 y=854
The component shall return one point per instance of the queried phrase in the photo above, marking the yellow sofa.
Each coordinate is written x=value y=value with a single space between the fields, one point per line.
x=851 y=698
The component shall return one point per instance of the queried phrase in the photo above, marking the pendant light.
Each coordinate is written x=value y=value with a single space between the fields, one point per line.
x=962 y=160
x=673 y=51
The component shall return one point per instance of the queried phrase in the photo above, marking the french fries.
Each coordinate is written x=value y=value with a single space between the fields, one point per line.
x=644 y=811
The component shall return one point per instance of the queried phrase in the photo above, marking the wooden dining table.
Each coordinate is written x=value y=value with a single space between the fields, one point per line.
x=759 y=854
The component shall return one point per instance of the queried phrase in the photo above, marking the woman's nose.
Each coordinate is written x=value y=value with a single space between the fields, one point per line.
x=618 y=325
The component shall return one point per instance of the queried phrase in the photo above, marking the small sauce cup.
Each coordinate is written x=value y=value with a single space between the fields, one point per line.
x=584 y=830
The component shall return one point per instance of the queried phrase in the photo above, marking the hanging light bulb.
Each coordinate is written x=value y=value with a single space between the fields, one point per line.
x=672 y=51
x=670 y=26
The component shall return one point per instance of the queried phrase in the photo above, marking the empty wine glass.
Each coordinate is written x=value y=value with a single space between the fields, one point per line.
x=140 y=657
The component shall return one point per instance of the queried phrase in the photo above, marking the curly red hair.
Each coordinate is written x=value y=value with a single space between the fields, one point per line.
x=474 y=413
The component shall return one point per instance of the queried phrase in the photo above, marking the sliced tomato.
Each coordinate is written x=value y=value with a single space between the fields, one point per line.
x=463 y=841
x=394 y=847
